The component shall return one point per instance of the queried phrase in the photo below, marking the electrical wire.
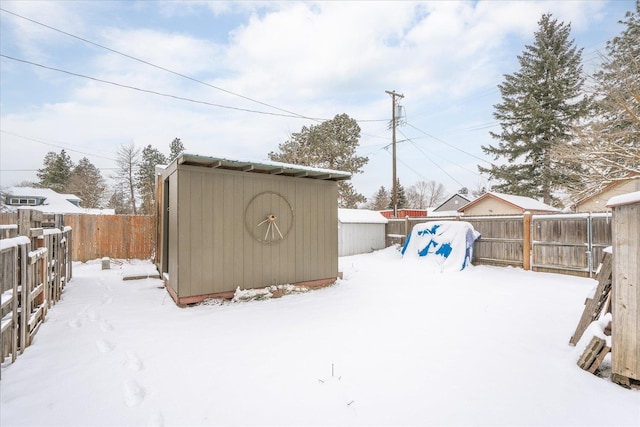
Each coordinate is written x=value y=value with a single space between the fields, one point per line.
x=157 y=66
x=193 y=79
x=152 y=91
x=55 y=145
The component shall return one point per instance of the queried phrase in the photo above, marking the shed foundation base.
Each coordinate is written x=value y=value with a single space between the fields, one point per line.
x=190 y=300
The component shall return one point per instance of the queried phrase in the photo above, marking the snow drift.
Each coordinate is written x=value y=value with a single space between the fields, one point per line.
x=447 y=245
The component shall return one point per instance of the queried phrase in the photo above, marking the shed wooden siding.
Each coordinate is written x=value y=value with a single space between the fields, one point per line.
x=210 y=250
x=359 y=238
x=625 y=351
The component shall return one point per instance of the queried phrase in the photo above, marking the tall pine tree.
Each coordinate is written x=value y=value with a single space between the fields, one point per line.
x=401 y=196
x=146 y=177
x=56 y=171
x=542 y=102
x=87 y=183
x=175 y=149
x=380 y=200
x=330 y=145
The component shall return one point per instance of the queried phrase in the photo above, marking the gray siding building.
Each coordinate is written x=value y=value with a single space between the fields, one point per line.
x=360 y=231
x=226 y=224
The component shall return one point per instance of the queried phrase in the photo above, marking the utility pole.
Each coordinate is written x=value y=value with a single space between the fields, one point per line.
x=393 y=143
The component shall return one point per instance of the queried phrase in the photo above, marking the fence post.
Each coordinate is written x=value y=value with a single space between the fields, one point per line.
x=24 y=222
x=526 y=240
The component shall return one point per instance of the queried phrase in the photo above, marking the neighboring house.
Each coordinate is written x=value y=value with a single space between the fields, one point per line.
x=360 y=231
x=504 y=204
x=450 y=206
x=597 y=202
x=41 y=199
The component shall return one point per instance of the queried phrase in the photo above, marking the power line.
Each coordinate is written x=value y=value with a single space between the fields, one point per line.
x=157 y=66
x=289 y=113
x=449 y=145
x=152 y=91
x=54 y=145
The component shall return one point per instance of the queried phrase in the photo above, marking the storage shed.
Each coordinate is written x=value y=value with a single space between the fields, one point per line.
x=226 y=224
x=625 y=289
x=360 y=231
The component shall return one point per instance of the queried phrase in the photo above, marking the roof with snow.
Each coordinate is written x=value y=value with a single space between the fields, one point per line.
x=624 y=199
x=361 y=216
x=262 y=166
x=522 y=202
x=53 y=202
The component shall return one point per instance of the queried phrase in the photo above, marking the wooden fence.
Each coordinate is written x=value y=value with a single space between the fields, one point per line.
x=115 y=236
x=97 y=236
x=35 y=267
x=560 y=243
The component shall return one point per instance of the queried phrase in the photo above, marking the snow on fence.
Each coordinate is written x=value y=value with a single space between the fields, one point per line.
x=559 y=243
x=35 y=266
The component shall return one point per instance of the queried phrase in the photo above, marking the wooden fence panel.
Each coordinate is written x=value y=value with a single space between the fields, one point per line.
x=500 y=241
x=115 y=236
x=572 y=243
x=9 y=275
x=559 y=243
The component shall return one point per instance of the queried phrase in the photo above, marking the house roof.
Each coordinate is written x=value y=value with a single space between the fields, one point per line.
x=449 y=199
x=264 y=167
x=525 y=203
x=605 y=188
x=624 y=199
x=361 y=216
x=53 y=203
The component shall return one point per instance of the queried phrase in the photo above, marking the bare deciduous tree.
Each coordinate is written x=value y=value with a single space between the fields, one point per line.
x=425 y=194
x=607 y=148
x=127 y=158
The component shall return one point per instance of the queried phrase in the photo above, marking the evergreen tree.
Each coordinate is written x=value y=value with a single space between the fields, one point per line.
x=118 y=202
x=87 y=183
x=380 y=200
x=146 y=177
x=56 y=171
x=402 y=196
x=608 y=145
x=541 y=104
x=176 y=148
x=330 y=145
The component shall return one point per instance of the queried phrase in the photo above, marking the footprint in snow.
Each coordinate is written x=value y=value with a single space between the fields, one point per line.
x=132 y=393
x=75 y=323
x=93 y=315
x=104 y=346
x=133 y=362
x=106 y=299
x=106 y=326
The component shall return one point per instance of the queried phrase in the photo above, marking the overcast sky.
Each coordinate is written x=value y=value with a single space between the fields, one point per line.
x=235 y=79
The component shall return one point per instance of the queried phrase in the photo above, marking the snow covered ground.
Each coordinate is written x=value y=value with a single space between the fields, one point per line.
x=391 y=344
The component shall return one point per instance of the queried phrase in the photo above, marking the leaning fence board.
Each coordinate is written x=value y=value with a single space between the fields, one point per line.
x=594 y=306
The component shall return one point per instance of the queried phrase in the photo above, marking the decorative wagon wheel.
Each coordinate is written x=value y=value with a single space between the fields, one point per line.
x=269 y=217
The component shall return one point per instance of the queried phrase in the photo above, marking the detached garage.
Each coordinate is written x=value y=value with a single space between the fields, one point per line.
x=224 y=224
x=360 y=231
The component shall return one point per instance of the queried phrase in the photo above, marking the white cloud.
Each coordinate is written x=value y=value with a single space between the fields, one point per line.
x=316 y=59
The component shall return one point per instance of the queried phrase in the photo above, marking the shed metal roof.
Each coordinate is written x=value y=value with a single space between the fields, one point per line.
x=264 y=167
